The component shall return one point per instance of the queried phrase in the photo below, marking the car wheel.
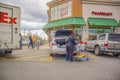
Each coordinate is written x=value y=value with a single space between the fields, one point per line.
x=115 y=54
x=97 y=50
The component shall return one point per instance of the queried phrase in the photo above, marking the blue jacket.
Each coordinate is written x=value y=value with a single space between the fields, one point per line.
x=30 y=39
x=71 y=42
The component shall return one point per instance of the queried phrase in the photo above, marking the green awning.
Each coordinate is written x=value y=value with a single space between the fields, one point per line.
x=105 y=22
x=64 y=22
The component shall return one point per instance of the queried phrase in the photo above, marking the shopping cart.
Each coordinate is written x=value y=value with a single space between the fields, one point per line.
x=80 y=53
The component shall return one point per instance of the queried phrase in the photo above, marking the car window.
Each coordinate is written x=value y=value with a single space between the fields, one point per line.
x=114 y=37
x=63 y=33
x=93 y=37
x=102 y=37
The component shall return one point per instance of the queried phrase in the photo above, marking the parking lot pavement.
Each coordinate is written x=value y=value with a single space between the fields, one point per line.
x=46 y=46
x=42 y=54
x=29 y=54
x=36 y=64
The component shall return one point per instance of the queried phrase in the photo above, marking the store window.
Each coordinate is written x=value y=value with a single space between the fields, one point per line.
x=79 y=32
x=69 y=9
x=97 y=31
x=56 y=12
x=61 y=11
x=52 y=13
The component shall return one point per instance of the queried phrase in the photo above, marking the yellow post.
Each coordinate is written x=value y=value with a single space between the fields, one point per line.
x=73 y=29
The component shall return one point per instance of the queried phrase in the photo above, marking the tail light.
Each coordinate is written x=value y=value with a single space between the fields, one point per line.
x=106 y=44
x=81 y=42
x=53 y=44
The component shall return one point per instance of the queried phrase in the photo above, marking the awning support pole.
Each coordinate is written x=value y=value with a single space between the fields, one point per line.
x=73 y=29
x=49 y=36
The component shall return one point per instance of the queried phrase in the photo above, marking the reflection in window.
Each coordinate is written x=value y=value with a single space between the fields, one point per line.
x=96 y=31
x=102 y=37
x=94 y=38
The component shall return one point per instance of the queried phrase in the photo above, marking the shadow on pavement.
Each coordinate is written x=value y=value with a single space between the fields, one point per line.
x=59 y=56
x=8 y=56
x=109 y=56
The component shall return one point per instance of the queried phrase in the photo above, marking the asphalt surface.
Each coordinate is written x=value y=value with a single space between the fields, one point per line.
x=36 y=64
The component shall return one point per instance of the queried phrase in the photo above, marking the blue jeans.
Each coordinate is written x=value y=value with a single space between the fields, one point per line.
x=69 y=55
x=30 y=44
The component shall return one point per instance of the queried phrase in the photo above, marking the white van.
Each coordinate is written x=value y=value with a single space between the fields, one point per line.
x=10 y=20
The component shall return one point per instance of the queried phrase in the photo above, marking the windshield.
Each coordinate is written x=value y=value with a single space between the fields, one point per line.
x=63 y=33
x=114 y=37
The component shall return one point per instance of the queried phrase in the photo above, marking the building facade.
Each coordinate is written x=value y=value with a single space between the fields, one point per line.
x=101 y=16
x=89 y=16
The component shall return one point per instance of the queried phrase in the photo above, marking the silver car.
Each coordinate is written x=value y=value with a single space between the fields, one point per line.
x=106 y=42
x=58 y=43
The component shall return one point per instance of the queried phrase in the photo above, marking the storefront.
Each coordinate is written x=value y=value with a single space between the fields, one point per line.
x=64 y=14
x=101 y=16
x=83 y=16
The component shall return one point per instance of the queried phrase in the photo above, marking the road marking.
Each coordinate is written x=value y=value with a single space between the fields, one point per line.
x=27 y=58
x=1 y=58
x=47 y=59
x=30 y=57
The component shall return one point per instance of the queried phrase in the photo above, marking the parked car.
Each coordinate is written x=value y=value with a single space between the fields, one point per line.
x=106 y=42
x=25 y=41
x=58 y=43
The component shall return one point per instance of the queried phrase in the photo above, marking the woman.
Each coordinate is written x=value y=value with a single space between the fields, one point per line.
x=30 y=42
x=70 y=46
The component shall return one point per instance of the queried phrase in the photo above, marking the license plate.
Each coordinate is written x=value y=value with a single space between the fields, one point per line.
x=117 y=45
x=63 y=46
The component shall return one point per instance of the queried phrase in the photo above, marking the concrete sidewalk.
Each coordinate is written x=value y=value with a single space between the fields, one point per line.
x=45 y=46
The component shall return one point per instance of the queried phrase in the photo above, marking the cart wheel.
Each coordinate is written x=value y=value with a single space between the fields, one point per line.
x=87 y=59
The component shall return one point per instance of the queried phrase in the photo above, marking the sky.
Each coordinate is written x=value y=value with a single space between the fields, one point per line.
x=33 y=14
